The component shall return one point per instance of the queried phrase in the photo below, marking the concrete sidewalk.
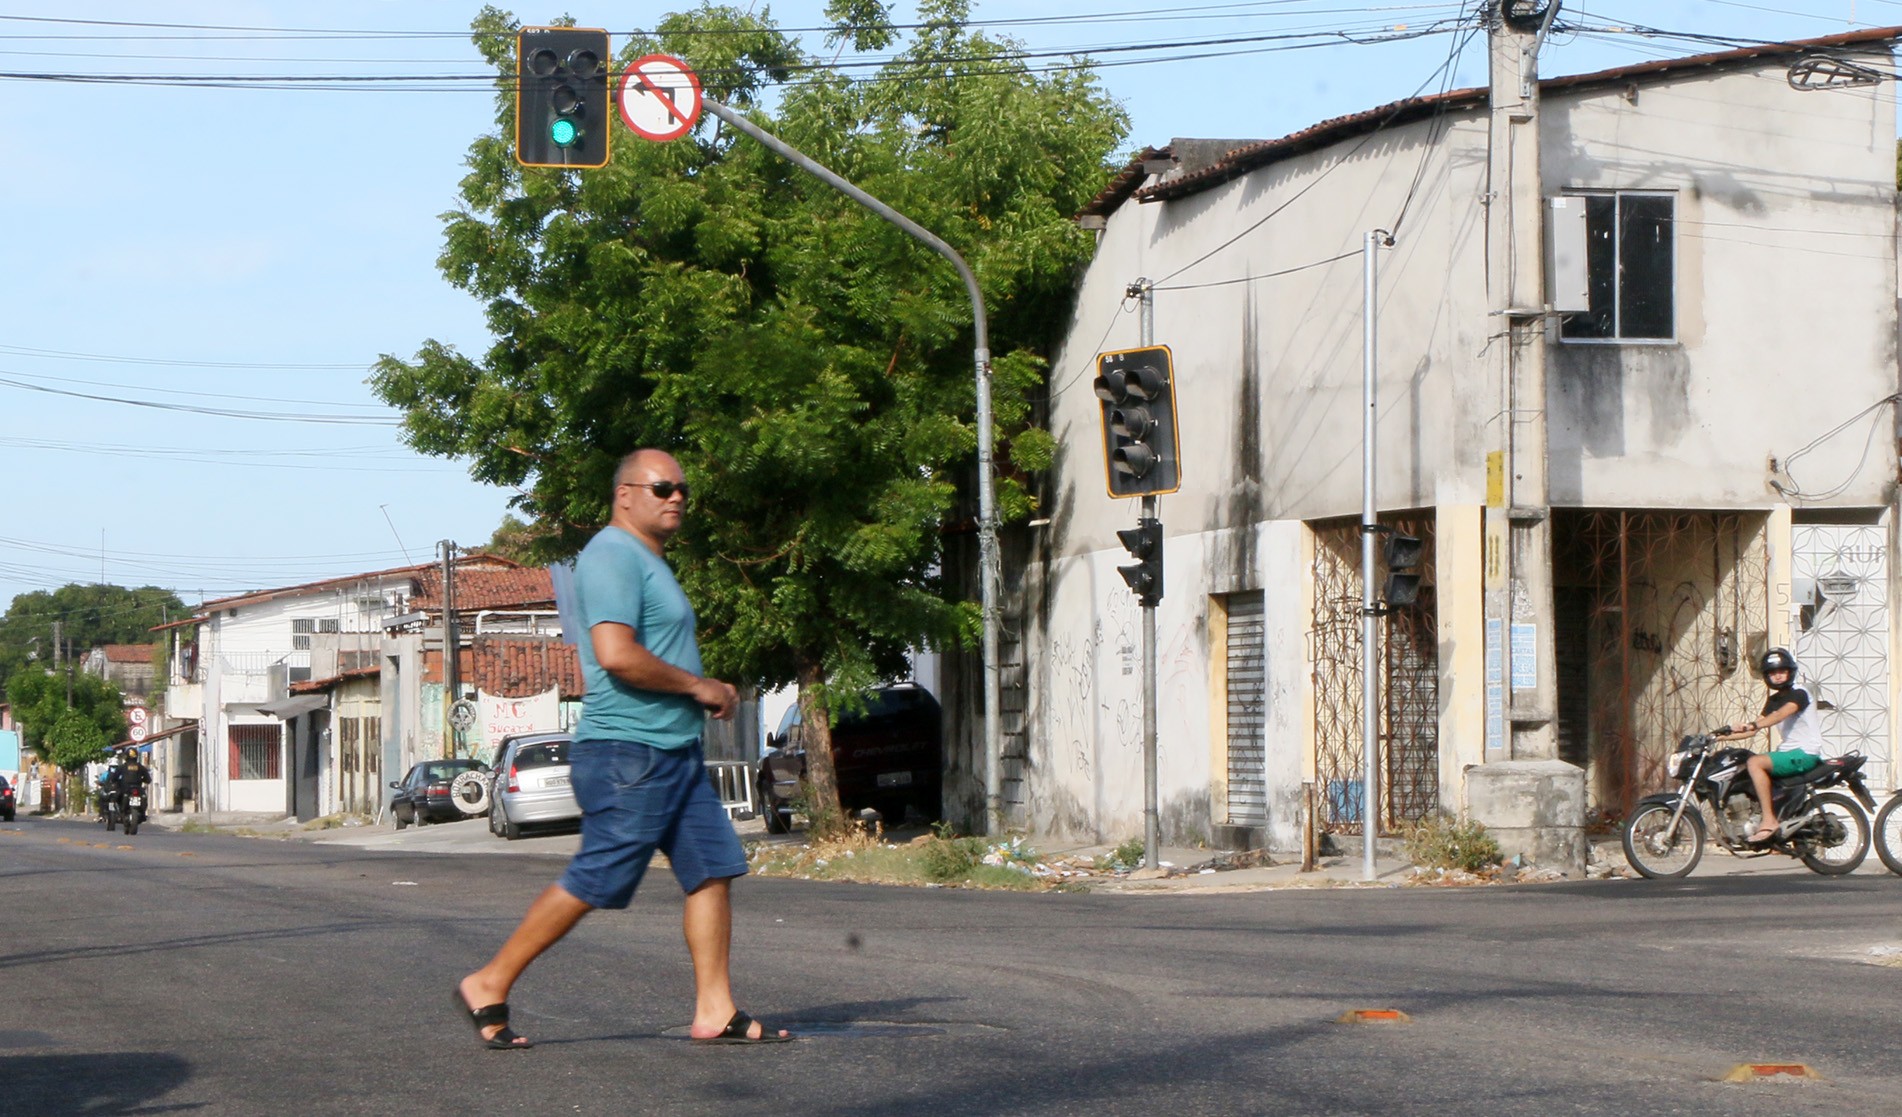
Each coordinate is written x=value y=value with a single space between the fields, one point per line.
x=1183 y=870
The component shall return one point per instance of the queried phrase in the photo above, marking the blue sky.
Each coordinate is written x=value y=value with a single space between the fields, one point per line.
x=154 y=260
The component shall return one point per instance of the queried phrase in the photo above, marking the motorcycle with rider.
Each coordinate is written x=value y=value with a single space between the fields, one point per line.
x=1756 y=804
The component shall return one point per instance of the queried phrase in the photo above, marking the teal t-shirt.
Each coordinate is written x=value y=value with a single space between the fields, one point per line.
x=619 y=580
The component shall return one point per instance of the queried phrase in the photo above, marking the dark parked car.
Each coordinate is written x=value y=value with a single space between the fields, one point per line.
x=530 y=785
x=424 y=796
x=889 y=756
x=6 y=800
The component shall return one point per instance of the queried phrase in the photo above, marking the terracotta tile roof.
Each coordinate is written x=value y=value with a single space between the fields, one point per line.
x=526 y=587
x=519 y=667
x=129 y=653
x=1252 y=156
x=476 y=559
x=318 y=686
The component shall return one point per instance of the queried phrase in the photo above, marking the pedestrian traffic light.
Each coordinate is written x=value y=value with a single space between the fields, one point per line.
x=561 y=97
x=1402 y=553
x=1144 y=541
x=1138 y=394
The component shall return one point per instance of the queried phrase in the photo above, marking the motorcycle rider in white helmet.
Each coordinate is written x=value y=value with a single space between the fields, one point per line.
x=1791 y=708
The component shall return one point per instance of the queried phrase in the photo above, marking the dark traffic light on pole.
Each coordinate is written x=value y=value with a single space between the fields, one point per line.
x=1402 y=554
x=1144 y=542
x=561 y=97
x=1138 y=393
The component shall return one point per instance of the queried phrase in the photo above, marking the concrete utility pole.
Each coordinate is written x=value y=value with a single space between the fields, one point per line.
x=451 y=641
x=1521 y=686
x=1532 y=802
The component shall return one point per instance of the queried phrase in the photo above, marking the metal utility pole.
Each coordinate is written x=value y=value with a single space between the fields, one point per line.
x=451 y=635
x=1521 y=684
x=986 y=502
x=1151 y=820
x=1370 y=609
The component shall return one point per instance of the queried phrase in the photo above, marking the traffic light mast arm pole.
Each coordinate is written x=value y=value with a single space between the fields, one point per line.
x=986 y=515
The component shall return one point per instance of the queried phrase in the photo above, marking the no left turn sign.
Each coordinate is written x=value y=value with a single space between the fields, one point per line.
x=659 y=97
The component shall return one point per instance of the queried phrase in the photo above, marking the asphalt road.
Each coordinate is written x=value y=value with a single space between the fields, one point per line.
x=211 y=975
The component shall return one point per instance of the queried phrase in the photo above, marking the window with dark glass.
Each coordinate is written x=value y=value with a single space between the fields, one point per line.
x=1631 y=267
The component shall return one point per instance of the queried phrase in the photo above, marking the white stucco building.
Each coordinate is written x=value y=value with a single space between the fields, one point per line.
x=1721 y=451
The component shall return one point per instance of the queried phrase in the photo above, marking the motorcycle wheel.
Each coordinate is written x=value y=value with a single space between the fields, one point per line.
x=1659 y=855
x=1888 y=835
x=131 y=825
x=1845 y=855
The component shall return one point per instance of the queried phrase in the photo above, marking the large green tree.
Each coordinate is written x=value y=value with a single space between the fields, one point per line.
x=807 y=362
x=70 y=715
x=87 y=616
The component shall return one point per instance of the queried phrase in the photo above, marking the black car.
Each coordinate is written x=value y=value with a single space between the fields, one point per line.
x=424 y=794
x=6 y=800
x=888 y=756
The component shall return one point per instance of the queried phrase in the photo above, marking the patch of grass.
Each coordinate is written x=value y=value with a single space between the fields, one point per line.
x=942 y=858
x=1441 y=841
x=1127 y=856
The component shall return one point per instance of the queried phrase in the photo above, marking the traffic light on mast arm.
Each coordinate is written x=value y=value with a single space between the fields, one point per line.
x=1144 y=542
x=1137 y=388
x=562 y=105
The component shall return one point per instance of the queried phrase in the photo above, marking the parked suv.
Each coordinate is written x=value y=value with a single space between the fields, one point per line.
x=889 y=756
x=530 y=785
x=423 y=795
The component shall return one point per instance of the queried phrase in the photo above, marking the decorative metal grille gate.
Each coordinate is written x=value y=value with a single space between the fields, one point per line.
x=1840 y=580
x=1669 y=609
x=1409 y=745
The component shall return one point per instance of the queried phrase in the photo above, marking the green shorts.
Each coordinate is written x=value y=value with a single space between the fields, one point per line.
x=1791 y=762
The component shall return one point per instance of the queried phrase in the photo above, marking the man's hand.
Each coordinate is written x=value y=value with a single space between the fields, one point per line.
x=718 y=697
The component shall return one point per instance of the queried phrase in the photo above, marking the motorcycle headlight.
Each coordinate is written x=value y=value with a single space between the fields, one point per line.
x=1681 y=762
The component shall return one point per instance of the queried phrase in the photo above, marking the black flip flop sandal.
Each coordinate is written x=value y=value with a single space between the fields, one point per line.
x=504 y=1040
x=736 y=1029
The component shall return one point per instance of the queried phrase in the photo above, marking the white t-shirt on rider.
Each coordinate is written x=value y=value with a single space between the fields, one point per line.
x=1801 y=730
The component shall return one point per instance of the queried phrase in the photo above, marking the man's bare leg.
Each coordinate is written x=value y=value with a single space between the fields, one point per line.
x=553 y=914
x=708 y=924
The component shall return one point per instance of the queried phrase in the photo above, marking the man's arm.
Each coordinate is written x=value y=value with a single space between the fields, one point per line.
x=620 y=654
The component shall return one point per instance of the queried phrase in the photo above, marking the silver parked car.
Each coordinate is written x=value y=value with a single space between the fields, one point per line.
x=531 y=785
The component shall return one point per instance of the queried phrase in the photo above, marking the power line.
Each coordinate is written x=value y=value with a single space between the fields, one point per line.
x=221 y=412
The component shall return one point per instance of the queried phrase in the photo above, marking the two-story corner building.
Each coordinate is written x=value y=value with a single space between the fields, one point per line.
x=233 y=665
x=1715 y=404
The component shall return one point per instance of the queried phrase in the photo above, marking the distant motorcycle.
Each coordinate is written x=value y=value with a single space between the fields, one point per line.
x=134 y=810
x=1826 y=830
x=110 y=809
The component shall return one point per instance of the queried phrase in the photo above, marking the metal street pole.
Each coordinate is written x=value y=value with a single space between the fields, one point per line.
x=1369 y=528
x=1151 y=822
x=986 y=504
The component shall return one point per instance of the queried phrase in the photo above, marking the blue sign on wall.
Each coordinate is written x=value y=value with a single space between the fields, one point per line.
x=9 y=750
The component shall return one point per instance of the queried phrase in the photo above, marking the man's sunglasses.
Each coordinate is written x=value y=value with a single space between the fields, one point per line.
x=665 y=490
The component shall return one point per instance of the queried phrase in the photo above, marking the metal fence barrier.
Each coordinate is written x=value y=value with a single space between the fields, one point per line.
x=733 y=779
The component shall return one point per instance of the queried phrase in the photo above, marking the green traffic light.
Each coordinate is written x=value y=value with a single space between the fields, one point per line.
x=564 y=133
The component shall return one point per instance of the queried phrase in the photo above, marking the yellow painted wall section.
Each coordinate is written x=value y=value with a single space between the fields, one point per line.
x=1458 y=539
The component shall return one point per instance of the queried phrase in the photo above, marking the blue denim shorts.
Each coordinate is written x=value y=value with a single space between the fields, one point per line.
x=635 y=799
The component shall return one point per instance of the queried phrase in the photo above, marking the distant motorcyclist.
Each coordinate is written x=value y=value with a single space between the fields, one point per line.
x=131 y=775
x=1790 y=707
x=103 y=786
